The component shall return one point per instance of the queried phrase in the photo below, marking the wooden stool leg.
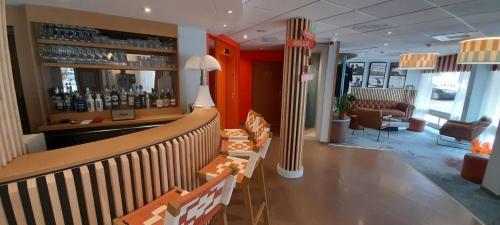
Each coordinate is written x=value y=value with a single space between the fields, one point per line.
x=247 y=198
x=264 y=195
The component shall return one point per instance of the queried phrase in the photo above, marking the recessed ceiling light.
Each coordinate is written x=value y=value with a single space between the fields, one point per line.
x=386 y=44
x=389 y=32
x=336 y=34
x=229 y=11
x=225 y=25
x=147 y=9
x=245 y=36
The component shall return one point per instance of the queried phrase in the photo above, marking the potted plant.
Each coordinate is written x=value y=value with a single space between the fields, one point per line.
x=342 y=105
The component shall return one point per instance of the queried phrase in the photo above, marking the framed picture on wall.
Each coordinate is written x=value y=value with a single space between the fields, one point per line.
x=358 y=69
x=376 y=75
x=397 y=77
x=395 y=71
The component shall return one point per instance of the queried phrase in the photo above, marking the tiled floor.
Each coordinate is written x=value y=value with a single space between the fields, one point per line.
x=354 y=186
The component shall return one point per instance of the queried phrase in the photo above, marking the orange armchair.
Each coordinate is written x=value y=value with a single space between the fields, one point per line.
x=464 y=131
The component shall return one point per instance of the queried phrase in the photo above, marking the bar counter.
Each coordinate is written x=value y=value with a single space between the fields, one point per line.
x=95 y=182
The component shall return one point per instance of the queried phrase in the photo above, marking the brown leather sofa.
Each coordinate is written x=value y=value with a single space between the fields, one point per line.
x=397 y=110
x=464 y=131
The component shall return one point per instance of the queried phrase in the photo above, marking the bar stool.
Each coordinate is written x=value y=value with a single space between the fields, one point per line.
x=251 y=125
x=247 y=156
x=181 y=207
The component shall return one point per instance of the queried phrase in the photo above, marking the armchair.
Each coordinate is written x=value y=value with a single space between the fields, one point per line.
x=464 y=131
x=374 y=119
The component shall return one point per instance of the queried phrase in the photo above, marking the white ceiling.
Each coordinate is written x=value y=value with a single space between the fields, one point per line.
x=362 y=26
x=210 y=14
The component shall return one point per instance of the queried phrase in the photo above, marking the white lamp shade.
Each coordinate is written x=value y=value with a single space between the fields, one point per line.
x=209 y=63
x=204 y=99
x=193 y=62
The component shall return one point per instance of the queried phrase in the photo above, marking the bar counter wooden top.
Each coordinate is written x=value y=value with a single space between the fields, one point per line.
x=35 y=164
x=106 y=122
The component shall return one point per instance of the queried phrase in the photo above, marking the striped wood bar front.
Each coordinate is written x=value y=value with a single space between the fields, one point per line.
x=96 y=182
x=293 y=101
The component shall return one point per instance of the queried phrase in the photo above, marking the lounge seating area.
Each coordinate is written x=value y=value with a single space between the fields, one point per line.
x=398 y=110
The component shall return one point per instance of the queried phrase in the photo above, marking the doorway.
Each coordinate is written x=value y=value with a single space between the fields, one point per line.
x=266 y=91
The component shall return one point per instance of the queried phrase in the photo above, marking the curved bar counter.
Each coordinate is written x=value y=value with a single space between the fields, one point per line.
x=96 y=182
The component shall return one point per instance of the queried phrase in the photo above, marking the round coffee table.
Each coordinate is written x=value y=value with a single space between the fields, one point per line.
x=416 y=124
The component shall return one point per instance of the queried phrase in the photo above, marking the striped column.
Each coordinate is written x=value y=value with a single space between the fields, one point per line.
x=293 y=102
x=11 y=144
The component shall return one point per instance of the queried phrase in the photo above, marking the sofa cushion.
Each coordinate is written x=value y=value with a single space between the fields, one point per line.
x=393 y=112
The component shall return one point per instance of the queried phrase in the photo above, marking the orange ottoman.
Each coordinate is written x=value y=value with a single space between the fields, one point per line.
x=416 y=125
x=474 y=167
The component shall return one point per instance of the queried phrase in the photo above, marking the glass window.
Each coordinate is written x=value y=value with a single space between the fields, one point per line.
x=444 y=91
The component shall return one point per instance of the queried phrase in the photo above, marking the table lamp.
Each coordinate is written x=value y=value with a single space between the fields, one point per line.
x=205 y=64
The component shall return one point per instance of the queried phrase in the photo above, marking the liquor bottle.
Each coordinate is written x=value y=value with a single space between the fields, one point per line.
x=68 y=99
x=152 y=98
x=173 y=100
x=159 y=100
x=131 y=100
x=90 y=103
x=138 y=103
x=147 y=102
x=107 y=98
x=123 y=98
x=81 y=105
x=115 y=98
x=59 y=100
x=98 y=103
x=142 y=96
x=166 y=99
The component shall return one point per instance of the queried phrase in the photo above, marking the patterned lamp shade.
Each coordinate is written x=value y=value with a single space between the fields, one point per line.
x=479 y=51
x=418 y=61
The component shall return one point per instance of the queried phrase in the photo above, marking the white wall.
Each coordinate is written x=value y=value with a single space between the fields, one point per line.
x=192 y=41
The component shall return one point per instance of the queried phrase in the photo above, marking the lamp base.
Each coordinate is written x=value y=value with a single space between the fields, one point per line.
x=204 y=99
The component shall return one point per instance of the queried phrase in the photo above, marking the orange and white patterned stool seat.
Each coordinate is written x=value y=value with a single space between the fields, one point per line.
x=178 y=207
x=234 y=134
x=236 y=145
x=219 y=164
x=251 y=126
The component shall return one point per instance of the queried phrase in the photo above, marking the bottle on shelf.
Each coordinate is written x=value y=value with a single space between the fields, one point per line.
x=138 y=102
x=59 y=99
x=173 y=100
x=90 y=103
x=166 y=99
x=131 y=98
x=159 y=100
x=147 y=102
x=81 y=105
x=153 y=98
x=123 y=98
x=142 y=97
x=115 y=97
x=68 y=99
x=107 y=98
x=98 y=103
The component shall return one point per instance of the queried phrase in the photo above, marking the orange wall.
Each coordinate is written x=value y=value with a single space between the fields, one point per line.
x=245 y=79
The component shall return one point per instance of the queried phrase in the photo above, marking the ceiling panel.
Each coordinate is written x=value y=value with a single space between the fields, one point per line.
x=444 y=26
x=322 y=27
x=348 y=19
x=371 y=26
x=483 y=18
x=396 y=7
x=419 y=17
x=251 y=16
x=473 y=7
x=357 y=4
x=448 y=2
x=279 y=6
x=332 y=34
x=316 y=11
